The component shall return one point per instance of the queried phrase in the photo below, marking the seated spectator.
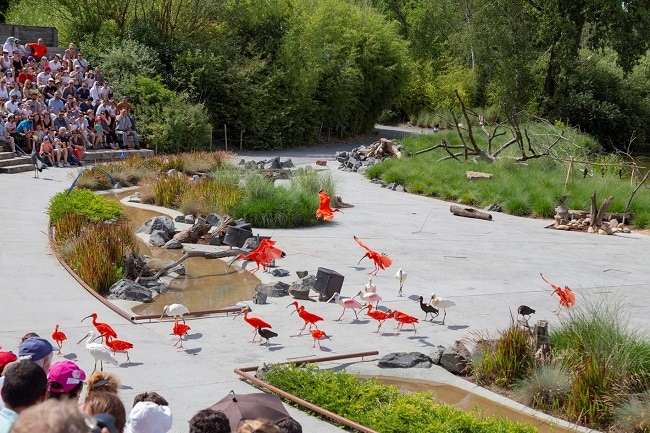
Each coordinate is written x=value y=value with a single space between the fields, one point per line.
x=124 y=129
x=109 y=136
x=10 y=126
x=106 y=402
x=148 y=417
x=25 y=385
x=69 y=90
x=95 y=92
x=209 y=421
x=71 y=106
x=56 y=104
x=5 y=60
x=64 y=78
x=60 y=121
x=16 y=91
x=46 y=151
x=38 y=48
x=256 y=426
x=101 y=381
x=22 y=51
x=27 y=74
x=98 y=76
x=43 y=77
x=52 y=416
x=83 y=93
x=70 y=54
x=76 y=148
x=16 y=64
x=124 y=104
x=25 y=130
x=4 y=90
x=5 y=137
x=81 y=62
x=9 y=45
x=55 y=64
x=61 y=153
x=65 y=380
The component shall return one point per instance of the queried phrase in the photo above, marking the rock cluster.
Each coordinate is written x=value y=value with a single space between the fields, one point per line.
x=362 y=157
x=455 y=359
x=584 y=224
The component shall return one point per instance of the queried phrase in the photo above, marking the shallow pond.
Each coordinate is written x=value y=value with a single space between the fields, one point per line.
x=207 y=285
x=466 y=401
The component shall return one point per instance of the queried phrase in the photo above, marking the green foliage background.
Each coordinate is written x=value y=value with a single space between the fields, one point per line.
x=285 y=73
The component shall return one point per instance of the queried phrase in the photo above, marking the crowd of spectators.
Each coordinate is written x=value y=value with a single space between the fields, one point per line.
x=56 y=107
x=39 y=395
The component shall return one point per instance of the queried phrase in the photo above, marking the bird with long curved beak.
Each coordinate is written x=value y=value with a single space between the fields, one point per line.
x=263 y=255
x=255 y=322
x=102 y=328
x=98 y=351
x=401 y=277
x=441 y=303
x=318 y=334
x=381 y=260
x=309 y=318
x=346 y=303
x=175 y=310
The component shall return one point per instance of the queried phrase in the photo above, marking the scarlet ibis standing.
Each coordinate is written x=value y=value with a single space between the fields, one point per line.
x=318 y=334
x=255 y=322
x=102 y=328
x=59 y=337
x=441 y=303
x=309 y=318
x=401 y=277
x=566 y=295
x=324 y=210
x=119 y=346
x=402 y=319
x=525 y=310
x=263 y=255
x=98 y=351
x=369 y=297
x=180 y=329
x=379 y=316
x=381 y=260
x=346 y=303
x=175 y=310
x=428 y=309
x=266 y=334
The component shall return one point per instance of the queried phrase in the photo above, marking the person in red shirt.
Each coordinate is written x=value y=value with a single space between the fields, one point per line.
x=38 y=49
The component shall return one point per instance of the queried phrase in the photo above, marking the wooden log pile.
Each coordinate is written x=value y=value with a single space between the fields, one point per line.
x=384 y=148
x=362 y=157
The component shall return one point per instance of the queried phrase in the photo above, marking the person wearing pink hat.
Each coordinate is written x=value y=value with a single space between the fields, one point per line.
x=65 y=380
x=6 y=358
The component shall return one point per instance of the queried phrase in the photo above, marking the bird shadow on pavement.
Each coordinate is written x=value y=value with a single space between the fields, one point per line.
x=130 y=364
x=194 y=351
x=70 y=356
x=193 y=336
x=274 y=347
x=457 y=327
x=422 y=339
x=324 y=349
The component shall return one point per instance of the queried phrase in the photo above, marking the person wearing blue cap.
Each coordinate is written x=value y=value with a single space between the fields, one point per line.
x=38 y=350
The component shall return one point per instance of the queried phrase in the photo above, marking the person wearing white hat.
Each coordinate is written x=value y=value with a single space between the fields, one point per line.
x=149 y=417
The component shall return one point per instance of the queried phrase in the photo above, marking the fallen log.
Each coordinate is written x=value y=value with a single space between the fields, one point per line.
x=187 y=254
x=469 y=212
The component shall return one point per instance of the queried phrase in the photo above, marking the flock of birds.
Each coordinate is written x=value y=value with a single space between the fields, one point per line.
x=263 y=255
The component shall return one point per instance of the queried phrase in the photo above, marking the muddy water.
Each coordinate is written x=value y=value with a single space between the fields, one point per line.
x=207 y=285
x=466 y=401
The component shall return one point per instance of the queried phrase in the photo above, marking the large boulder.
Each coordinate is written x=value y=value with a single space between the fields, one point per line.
x=299 y=291
x=275 y=290
x=159 y=238
x=162 y=223
x=456 y=359
x=405 y=360
x=130 y=291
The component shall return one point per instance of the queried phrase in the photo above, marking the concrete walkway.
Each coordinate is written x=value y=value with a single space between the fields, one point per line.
x=488 y=268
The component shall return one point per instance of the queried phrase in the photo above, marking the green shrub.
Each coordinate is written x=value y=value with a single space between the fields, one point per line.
x=84 y=203
x=506 y=360
x=546 y=388
x=381 y=407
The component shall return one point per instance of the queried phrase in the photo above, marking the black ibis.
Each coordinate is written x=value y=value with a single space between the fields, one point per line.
x=428 y=309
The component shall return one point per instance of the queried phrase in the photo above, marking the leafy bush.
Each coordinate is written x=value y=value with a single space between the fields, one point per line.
x=83 y=203
x=381 y=407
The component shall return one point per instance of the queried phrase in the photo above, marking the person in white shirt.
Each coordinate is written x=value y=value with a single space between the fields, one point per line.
x=55 y=64
x=95 y=92
x=5 y=60
x=83 y=63
x=43 y=77
x=12 y=104
x=4 y=90
x=10 y=45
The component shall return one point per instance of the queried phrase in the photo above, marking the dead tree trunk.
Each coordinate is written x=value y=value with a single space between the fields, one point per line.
x=205 y=254
x=469 y=212
x=596 y=216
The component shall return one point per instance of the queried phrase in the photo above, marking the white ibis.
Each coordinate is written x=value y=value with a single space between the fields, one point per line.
x=428 y=309
x=369 y=297
x=441 y=303
x=525 y=310
x=175 y=310
x=370 y=286
x=346 y=303
x=401 y=277
x=98 y=351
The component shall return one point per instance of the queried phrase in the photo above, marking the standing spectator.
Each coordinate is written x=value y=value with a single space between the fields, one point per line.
x=65 y=380
x=256 y=426
x=10 y=45
x=81 y=62
x=123 y=128
x=289 y=425
x=25 y=384
x=209 y=421
x=38 y=350
x=38 y=48
x=107 y=402
x=5 y=60
x=101 y=381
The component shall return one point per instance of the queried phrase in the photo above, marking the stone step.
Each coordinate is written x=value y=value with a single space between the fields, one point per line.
x=18 y=168
x=91 y=156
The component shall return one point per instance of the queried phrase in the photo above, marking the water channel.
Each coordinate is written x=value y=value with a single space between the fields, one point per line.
x=211 y=284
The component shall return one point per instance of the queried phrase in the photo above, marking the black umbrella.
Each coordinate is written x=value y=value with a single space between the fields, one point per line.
x=259 y=405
